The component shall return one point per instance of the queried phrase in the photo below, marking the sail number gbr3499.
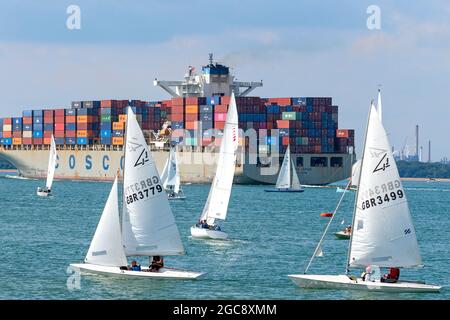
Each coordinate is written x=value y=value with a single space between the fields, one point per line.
x=144 y=189
x=387 y=192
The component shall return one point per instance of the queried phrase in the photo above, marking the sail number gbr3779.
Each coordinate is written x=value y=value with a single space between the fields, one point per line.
x=144 y=189
x=391 y=191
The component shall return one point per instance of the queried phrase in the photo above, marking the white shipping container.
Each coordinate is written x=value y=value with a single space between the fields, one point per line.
x=7 y=127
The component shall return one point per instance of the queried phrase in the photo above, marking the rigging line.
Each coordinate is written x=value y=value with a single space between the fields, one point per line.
x=326 y=229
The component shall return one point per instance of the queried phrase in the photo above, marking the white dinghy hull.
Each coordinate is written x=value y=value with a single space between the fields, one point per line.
x=164 y=273
x=345 y=282
x=203 y=233
x=43 y=193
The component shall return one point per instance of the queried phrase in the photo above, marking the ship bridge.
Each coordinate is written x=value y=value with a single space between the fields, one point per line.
x=215 y=80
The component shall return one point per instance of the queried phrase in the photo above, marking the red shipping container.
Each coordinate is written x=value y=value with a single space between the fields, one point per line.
x=177 y=109
x=191 y=117
x=177 y=117
x=27 y=140
x=221 y=108
x=59 y=133
x=7 y=134
x=342 y=133
x=225 y=100
x=190 y=125
x=59 y=112
x=47 y=140
x=48 y=113
x=17 y=134
x=59 y=126
x=48 y=119
x=191 y=100
x=59 y=119
x=219 y=125
x=177 y=101
x=285 y=141
x=70 y=133
x=48 y=134
x=27 y=120
x=71 y=119
x=283 y=124
x=37 y=140
x=7 y=121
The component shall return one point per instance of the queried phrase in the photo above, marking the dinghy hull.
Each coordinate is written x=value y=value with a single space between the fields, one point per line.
x=203 y=233
x=41 y=193
x=341 y=235
x=164 y=273
x=353 y=283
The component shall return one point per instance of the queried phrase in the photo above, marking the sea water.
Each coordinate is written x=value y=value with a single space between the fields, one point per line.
x=271 y=235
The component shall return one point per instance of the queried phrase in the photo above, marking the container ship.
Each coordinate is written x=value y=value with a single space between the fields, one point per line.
x=90 y=134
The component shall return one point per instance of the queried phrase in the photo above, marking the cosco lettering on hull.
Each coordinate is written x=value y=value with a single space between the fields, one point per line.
x=89 y=163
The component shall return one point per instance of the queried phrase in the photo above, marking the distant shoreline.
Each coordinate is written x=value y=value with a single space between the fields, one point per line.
x=8 y=170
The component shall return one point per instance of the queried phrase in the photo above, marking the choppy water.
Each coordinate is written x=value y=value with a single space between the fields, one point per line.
x=272 y=235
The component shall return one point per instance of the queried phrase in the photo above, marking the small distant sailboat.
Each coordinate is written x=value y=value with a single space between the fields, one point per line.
x=382 y=231
x=286 y=183
x=216 y=206
x=47 y=190
x=170 y=177
x=148 y=225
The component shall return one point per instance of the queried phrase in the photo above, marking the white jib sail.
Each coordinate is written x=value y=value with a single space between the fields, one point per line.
x=165 y=172
x=284 y=177
x=216 y=206
x=383 y=233
x=356 y=169
x=295 y=181
x=106 y=246
x=148 y=225
x=51 y=164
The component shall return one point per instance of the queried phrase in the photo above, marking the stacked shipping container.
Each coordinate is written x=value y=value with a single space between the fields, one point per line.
x=308 y=125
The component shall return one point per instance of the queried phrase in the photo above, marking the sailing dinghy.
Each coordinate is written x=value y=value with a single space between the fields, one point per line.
x=170 y=177
x=382 y=234
x=216 y=206
x=148 y=225
x=47 y=190
x=286 y=183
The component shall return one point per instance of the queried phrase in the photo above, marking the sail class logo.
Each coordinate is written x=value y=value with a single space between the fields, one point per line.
x=143 y=158
x=383 y=164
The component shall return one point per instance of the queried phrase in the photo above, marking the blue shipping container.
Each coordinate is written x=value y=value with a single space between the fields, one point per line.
x=27 y=127
x=37 y=134
x=7 y=141
x=105 y=125
x=105 y=141
x=48 y=127
x=117 y=133
x=38 y=113
x=71 y=126
x=60 y=141
x=105 y=133
x=71 y=140
x=27 y=113
x=37 y=119
x=71 y=112
x=38 y=127
x=82 y=141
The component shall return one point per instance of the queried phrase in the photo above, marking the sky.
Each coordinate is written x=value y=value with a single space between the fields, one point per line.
x=298 y=48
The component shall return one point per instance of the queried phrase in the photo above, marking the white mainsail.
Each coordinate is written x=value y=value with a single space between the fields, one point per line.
x=295 y=181
x=165 y=172
x=379 y=108
x=148 y=225
x=284 y=177
x=356 y=168
x=51 y=164
x=216 y=206
x=383 y=233
x=106 y=246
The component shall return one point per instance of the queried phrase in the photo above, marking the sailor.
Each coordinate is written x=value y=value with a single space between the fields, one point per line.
x=135 y=266
x=392 y=276
x=156 y=264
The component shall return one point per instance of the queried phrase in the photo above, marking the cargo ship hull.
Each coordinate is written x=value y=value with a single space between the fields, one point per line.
x=195 y=167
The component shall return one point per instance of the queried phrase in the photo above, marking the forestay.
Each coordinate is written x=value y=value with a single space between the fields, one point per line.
x=148 y=225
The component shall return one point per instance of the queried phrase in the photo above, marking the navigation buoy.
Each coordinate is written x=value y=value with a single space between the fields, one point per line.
x=326 y=214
